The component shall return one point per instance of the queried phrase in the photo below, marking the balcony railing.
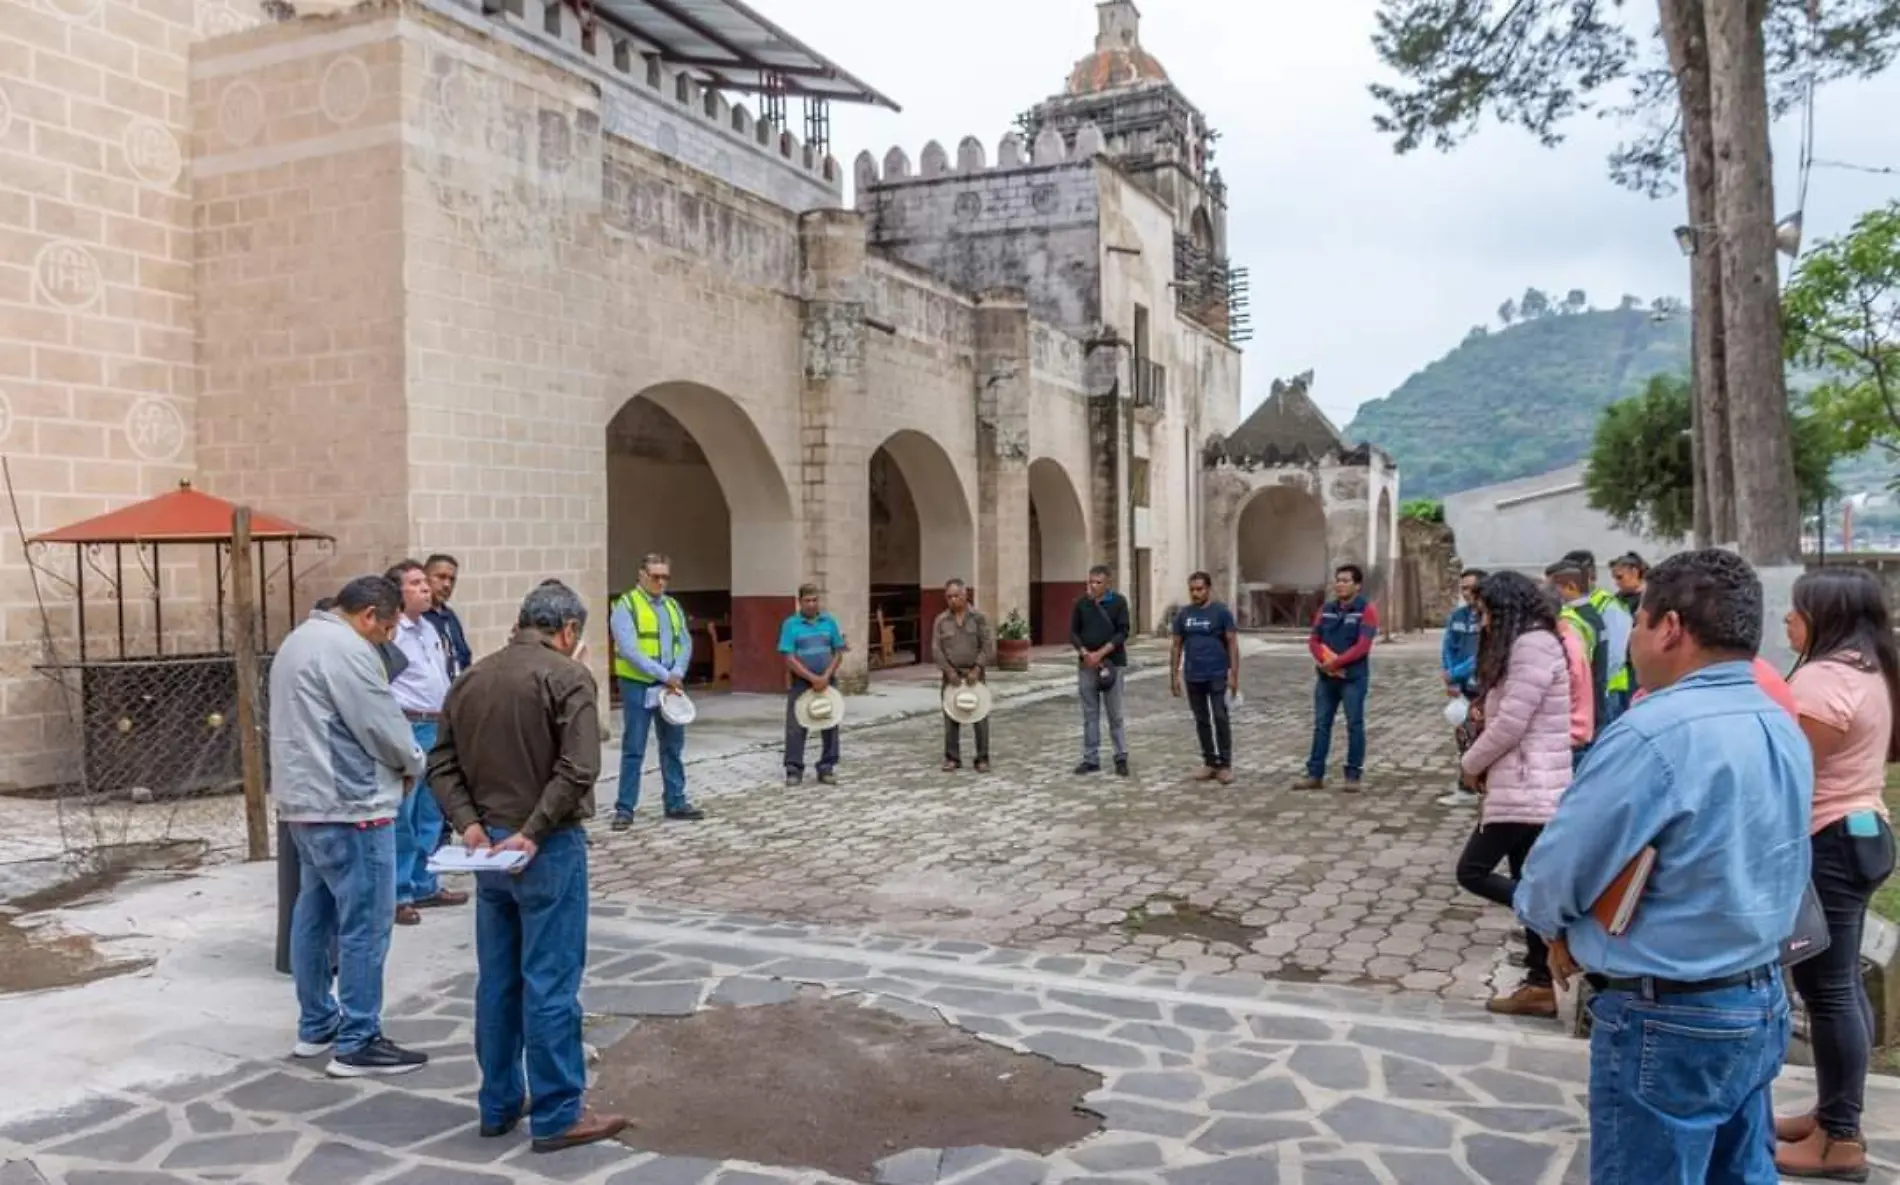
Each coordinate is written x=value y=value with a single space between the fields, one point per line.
x=1151 y=383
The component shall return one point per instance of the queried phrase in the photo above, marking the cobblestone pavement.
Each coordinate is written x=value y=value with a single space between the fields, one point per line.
x=1207 y=1080
x=1322 y=887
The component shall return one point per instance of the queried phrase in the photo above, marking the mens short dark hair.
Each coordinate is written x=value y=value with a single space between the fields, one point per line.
x=402 y=568
x=1201 y=578
x=1101 y=570
x=550 y=607
x=953 y=582
x=1714 y=593
x=1358 y=573
x=442 y=557
x=1567 y=570
x=323 y=605
x=1473 y=574
x=1582 y=557
x=807 y=590
x=379 y=593
x=1630 y=560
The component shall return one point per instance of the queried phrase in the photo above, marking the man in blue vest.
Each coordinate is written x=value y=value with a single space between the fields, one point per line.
x=1341 y=645
x=1458 y=661
x=813 y=647
x=443 y=570
x=1572 y=583
x=652 y=648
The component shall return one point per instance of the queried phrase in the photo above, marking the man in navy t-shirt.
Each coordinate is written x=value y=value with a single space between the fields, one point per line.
x=1207 y=660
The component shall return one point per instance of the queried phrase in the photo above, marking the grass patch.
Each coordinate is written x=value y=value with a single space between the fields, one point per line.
x=1887 y=901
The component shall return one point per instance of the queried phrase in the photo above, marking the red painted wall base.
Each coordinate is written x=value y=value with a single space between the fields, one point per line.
x=930 y=602
x=1057 y=598
x=756 y=665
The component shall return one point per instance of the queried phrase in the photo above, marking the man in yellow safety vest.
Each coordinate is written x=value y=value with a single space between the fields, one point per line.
x=651 y=649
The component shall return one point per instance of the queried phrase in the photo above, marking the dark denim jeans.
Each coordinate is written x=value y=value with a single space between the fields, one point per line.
x=1208 y=701
x=1679 y=1085
x=1328 y=695
x=339 y=930
x=795 y=737
x=640 y=722
x=418 y=831
x=1847 y=871
x=1504 y=843
x=530 y=952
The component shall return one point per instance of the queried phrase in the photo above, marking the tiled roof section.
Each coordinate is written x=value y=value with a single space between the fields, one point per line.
x=1287 y=421
x=183 y=516
x=1111 y=69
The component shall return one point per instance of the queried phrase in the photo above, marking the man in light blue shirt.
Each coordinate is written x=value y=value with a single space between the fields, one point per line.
x=419 y=686
x=1690 y=1019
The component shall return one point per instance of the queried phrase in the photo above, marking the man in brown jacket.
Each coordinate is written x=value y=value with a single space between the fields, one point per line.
x=514 y=767
x=965 y=647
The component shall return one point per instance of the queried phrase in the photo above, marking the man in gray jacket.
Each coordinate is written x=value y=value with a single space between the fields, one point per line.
x=342 y=756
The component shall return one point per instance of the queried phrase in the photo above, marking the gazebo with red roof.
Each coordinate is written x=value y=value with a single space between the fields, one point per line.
x=159 y=721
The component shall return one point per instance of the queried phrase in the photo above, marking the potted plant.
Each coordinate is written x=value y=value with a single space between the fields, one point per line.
x=1012 y=643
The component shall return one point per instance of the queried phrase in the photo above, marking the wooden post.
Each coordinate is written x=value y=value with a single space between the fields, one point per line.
x=244 y=641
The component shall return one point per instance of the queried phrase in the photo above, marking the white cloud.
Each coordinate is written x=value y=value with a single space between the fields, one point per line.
x=1365 y=265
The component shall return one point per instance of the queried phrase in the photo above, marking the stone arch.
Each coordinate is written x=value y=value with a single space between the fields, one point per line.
x=1201 y=229
x=1281 y=555
x=1059 y=555
x=922 y=535
x=689 y=474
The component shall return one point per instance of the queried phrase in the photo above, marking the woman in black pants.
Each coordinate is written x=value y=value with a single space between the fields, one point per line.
x=1845 y=686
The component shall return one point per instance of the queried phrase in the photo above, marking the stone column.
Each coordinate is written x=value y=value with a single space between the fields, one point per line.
x=835 y=446
x=1108 y=466
x=1003 y=379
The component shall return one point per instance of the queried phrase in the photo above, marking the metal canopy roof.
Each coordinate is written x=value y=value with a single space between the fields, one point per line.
x=735 y=48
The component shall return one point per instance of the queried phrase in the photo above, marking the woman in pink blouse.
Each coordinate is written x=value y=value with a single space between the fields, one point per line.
x=1845 y=685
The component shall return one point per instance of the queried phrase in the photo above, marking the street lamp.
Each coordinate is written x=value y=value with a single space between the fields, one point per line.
x=1787 y=236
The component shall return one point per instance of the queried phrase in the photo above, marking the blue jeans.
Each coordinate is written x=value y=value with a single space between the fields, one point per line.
x=639 y=720
x=1328 y=694
x=1679 y=1085
x=346 y=902
x=530 y=951
x=418 y=831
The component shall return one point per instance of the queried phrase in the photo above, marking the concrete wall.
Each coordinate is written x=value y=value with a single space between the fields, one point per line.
x=1527 y=523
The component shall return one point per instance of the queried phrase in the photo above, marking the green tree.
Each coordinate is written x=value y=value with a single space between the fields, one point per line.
x=1425 y=510
x=1841 y=313
x=1639 y=470
x=1533 y=304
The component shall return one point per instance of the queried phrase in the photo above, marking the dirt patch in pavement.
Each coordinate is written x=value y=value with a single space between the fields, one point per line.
x=1172 y=917
x=35 y=958
x=828 y=1084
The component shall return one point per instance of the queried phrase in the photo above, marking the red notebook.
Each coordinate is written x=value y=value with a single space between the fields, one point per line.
x=1616 y=908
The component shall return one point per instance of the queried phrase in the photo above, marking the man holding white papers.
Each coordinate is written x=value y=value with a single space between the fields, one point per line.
x=514 y=766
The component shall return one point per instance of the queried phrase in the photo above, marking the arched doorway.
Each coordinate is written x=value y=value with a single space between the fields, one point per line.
x=689 y=476
x=1058 y=550
x=1280 y=543
x=922 y=536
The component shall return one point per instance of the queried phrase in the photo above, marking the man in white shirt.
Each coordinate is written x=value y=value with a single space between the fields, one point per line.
x=420 y=687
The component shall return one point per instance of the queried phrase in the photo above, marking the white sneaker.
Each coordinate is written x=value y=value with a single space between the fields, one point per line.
x=1458 y=798
x=312 y=1048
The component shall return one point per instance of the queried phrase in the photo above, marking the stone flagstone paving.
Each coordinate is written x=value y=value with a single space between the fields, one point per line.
x=1208 y=1079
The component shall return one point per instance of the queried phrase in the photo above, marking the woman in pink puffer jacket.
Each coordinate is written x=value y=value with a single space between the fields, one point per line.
x=1520 y=760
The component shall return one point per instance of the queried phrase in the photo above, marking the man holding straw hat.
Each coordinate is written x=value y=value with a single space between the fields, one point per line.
x=813 y=646
x=965 y=647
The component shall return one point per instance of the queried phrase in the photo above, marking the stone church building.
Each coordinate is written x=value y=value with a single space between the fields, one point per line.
x=525 y=281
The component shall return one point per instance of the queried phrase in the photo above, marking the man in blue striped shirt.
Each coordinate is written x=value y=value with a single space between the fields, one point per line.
x=1690 y=1019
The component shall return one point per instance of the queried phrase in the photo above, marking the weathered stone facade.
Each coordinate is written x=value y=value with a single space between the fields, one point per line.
x=430 y=277
x=1288 y=502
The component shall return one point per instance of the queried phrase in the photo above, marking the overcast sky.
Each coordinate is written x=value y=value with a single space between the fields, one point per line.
x=1365 y=265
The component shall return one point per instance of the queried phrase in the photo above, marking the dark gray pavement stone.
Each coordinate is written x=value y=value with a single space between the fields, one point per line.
x=631 y=999
x=814 y=970
x=1424 y=1045
x=208 y=1120
x=1107 y=1005
x=428 y=1174
x=1416 y=1168
x=987 y=1002
x=750 y=992
x=1338 y=1172
x=1119 y=1156
x=257 y=1150
x=1502 y=1161
x=1508 y=1087
x=284 y=1094
x=1289 y=1028
x=914 y=1166
x=66 y=1121
x=334 y=1162
x=394 y=1119
x=1248 y=1170
x=131 y=1141
x=1242 y=1135
x=1522 y=1120
x=1335 y=1067
x=1369 y=1121
x=1205 y=1018
x=1131 y=1115
x=1406 y=1078
x=1266 y=1096
x=1234 y=1063
x=1169 y=1086
x=667 y=1170
x=1090 y=1053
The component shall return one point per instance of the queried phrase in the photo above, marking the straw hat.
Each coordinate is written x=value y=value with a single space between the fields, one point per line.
x=819 y=709
x=676 y=708
x=966 y=703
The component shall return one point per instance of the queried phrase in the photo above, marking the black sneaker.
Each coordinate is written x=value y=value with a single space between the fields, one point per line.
x=1121 y=767
x=686 y=814
x=827 y=778
x=1089 y=767
x=796 y=779
x=622 y=820
x=379 y=1059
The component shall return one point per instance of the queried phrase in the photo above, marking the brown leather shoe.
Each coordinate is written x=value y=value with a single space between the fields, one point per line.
x=1224 y=775
x=1792 y=1129
x=1207 y=774
x=1823 y=1157
x=1529 y=1000
x=442 y=897
x=406 y=915
x=588 y=1129
x=1310 y=784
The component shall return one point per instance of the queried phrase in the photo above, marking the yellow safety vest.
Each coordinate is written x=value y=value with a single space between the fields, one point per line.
x=1600 y=600
x=646 y=628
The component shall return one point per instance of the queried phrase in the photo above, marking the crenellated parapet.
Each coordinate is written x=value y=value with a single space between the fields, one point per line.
x=674 y=99
x=1013 y=154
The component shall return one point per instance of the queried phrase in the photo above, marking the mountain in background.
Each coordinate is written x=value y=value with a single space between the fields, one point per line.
x=1523 y=398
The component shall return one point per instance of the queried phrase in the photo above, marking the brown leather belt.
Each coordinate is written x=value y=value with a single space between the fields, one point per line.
x=422 y=717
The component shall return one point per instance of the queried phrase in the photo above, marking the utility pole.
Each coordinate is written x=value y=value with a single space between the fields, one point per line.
x=244 y=638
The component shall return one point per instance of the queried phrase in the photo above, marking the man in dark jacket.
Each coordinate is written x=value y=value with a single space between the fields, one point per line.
x=1341 y=644
x=1098 y=629
x=442 y=570
x=513 y=768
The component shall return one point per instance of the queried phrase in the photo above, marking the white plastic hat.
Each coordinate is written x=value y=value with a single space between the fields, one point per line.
x=1457 y=711
x=677 y=709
